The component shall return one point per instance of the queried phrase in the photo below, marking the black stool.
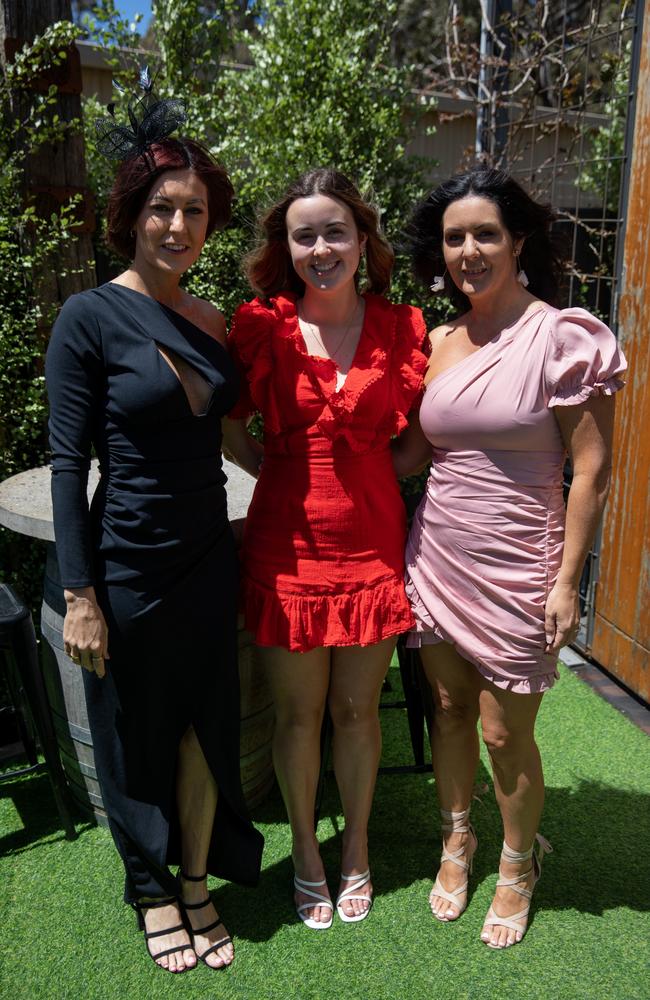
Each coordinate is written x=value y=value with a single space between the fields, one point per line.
x=418 y=702
x=19 y=660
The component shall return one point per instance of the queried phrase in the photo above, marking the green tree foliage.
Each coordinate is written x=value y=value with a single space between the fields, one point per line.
x=321 y=90
x=29 y=246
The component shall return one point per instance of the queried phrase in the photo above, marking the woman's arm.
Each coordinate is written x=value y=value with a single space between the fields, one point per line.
x=75 y=384
x=241 y=447
x=411 y=450
x=587 y=432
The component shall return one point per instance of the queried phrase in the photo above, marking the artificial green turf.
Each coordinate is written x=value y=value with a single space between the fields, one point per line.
x=65 y=933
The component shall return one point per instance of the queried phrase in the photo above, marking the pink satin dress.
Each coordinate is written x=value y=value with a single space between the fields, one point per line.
x=486 y=542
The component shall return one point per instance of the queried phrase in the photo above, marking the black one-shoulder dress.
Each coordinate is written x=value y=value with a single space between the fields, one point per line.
x=157 y=546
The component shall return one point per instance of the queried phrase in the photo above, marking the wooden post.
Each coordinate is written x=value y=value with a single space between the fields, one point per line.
x=53 y=173
x=621 y=640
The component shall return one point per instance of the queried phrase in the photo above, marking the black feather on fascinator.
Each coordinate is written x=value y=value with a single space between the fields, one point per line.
x=151 y=120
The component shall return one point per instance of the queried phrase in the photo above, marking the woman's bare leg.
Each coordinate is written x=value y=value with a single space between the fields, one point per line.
x=196 y=795
x=299 y=683
x=357 y=676
x=456 y=686
x=508 y=722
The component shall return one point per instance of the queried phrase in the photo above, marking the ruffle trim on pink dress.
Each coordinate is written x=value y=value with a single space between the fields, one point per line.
x=300 y=623
x=428 y=633
x=573 y=396
x=583 y=359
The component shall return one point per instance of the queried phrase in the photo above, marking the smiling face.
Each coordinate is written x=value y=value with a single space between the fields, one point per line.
x=324 y=242
x=171 y=228
x=478 y=249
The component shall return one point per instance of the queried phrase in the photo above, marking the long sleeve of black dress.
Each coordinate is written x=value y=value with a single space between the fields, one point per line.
x=76 y=386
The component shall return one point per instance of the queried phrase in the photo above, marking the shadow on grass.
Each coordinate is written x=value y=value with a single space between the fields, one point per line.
x=597 y=832
x=588 y=872
x=33 y=800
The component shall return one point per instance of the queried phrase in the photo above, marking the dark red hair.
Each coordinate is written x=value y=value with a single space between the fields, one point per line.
x=135 y=178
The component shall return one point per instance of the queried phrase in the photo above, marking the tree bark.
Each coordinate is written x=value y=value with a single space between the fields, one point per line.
x=54 y=172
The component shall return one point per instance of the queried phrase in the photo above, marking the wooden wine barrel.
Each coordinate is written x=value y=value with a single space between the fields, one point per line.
x=65 y=690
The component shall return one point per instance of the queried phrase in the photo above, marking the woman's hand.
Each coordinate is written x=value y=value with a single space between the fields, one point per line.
x=241 y=447
x=562 y=617
x=85 y=635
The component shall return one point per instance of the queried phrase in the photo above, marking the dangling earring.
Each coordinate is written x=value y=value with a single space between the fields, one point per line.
x=132 y=233
x=522 y=277
x=438 y=282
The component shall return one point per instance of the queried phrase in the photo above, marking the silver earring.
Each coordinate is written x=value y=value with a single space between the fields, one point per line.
x=438 y=283
x=522 y=277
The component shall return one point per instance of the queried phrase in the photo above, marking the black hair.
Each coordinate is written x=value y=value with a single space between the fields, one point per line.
x=543 y=255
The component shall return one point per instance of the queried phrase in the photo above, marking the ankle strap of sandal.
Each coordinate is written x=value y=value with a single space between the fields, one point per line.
x=455 y=822
x=540 y=846
x=514 y=857
x=192 y=878
x=151 y=904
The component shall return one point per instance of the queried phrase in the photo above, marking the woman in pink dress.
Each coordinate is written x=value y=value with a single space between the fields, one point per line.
x=493 y=560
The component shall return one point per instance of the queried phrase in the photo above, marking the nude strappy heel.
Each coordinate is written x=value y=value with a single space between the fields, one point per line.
x=455 y=822
x=307 y=889
x=518 y=922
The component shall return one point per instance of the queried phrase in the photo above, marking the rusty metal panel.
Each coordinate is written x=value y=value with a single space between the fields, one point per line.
x=621 y=640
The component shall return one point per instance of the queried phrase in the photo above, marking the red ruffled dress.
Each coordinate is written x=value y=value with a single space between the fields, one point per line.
x=323 y=549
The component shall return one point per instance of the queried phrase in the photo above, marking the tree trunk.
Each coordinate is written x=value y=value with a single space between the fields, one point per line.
x=53 y=173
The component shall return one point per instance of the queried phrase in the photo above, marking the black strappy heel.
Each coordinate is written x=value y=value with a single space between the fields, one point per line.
x=209 y=927
x=139 y=906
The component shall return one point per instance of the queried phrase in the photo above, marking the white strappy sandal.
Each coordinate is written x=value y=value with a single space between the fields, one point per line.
x=307 y=889
x=455 y=822
x=352 y=892
x=518 y=922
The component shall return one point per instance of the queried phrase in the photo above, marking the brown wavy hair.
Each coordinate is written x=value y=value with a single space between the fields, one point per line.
x=269 y=268
x=135 y=178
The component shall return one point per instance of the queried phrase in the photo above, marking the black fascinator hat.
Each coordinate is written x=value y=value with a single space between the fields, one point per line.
x=151 y=120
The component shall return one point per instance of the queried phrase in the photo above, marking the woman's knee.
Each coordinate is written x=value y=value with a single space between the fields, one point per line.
x=507 y=747
x=353 y=713
x=294 y=716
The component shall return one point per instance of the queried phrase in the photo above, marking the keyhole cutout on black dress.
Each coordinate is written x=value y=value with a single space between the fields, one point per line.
x=197 y=391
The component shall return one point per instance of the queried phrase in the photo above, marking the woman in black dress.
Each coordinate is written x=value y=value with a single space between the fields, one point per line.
x=137 y=370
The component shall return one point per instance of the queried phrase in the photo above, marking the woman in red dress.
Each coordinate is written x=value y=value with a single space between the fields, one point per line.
x=334 y=374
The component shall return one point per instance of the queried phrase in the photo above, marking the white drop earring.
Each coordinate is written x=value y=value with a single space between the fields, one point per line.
x=438 y=283
x=522 y=277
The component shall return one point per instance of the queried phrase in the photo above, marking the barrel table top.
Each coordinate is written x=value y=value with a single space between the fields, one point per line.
x=26 y=502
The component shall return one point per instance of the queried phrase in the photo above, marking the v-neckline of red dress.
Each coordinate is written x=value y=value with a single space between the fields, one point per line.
x=317 y=360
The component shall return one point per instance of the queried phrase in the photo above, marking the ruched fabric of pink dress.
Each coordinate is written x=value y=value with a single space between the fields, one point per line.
x=486 y=542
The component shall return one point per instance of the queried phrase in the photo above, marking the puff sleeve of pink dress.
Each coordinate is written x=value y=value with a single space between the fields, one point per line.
x=486 y=542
